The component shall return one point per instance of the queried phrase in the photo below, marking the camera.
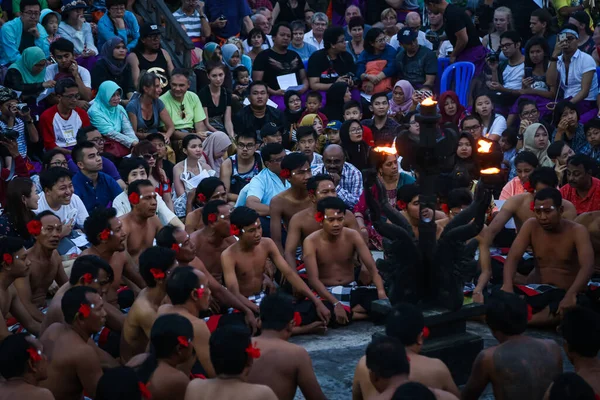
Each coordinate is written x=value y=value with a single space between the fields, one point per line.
x=493 y=57
x=9 y=134
x=23 y=108
x=222 y=17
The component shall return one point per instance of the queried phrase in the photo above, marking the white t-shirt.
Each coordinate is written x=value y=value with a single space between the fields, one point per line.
x=498 y=126
x=122 y=205
x=74 y=209
x=580 y=64
x=52 y=70
x=513 y=76
x=265 y=46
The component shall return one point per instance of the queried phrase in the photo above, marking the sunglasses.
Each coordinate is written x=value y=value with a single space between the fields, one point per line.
x=150 y=156
x=182 y=111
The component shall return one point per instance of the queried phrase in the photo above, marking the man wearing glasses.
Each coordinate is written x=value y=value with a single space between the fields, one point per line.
x=473 y=125
x=507 y=77
x=23 y=32
x=319 y=23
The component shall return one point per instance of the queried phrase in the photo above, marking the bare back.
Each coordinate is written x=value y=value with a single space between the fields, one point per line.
x=117 y=261
x=591 y=221
x=227 y=389
x=21 y=390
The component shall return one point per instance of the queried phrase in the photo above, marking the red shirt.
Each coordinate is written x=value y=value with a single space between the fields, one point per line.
x=591 y=202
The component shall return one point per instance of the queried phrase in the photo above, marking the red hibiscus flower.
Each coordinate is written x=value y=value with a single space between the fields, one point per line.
x=34 y=355
x=425 y=332
x=34 y=227
x=319 y=217
x=7 y=258
x=528 y=188
x=253 y=351
x=285 y=173
x=532 y=206
x=401 y=204
x=445 y=208
x=297 y=319
x=311 y=192
x=144 y=391
x=175 y=247
x=234 y=230
x=105 y=234
x=85 y=310
x=134 y=198
x=87 y=278
x=201 y=198
x=200 y=292
x=183 y=341
x=212 y=217
x=157 y=273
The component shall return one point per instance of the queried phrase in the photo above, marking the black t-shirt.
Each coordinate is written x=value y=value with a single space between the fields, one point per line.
x=168 y=167
x=321 y=66
x=27 y=40
x=456 y=19
x=274 y=64
x=207 y=101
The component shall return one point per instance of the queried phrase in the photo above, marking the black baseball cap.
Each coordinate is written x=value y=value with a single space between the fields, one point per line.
x=149 y=30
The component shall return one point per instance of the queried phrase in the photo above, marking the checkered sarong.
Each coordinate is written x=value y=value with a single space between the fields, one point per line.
x=344 y=293
x=257 y=298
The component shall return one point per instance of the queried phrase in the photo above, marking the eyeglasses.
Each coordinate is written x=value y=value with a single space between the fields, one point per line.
x=75 y=96
x=356 y=130
x=247 y=146
x=97 y=140
x=182 y=111
x=150 y=156
x=380 y=40
x=529 y=113
x=32 y=14
x=471 y=128
x=506 y=46
x=59 y=164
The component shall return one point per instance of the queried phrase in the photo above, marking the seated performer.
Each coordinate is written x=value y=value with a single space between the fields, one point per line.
x=282 y=366
x=155 y=266
x=233 y=355
x=74 y=366
x=119 y=383
x=45 y=264
x=406 y=324
x=408 y=204
x=188 y=291
x=520 y=367
x=296 y=169
x=23 y=365
x=591 y=222
x=14 y=265
x=331 y=273
x=554 y=241
x=141 y=224
x=171 y=340
x=244 y=262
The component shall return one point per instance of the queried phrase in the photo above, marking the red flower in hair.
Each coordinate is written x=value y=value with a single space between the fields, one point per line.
x=528 y=188
x=201 y=198
x=532 y=206
x=157 y=273
x=253 y=351
x=319 y=216
x=34 y=227
x=285 y=173
x=183 y=341
x=134 y=198
x=445 y=208
x=297 y=319
x=401 y=204
x=212 y=217
x=87 y=278
x=34 y=355
x=105 y=234
x=84 y=310
x=175 y=247
x=425 y=332
x=234 y=230
x=200 y=292
x=529 y=312
x=312 y=192
x=144 y=390
x=7 y=258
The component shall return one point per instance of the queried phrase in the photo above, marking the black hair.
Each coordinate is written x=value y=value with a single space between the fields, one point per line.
x=132 y=163
x=96 y=222
x=506 y=313
x=10 y=245
x=544 y=175
x=157 y=135
x=147 y=80
x=165 y=236
x=155 y=257
x=511 y=135
x=28 y=3
x=276 y=311
x=331 y=35
x=14 y=358
x=370 y=38
x=120 y=383
x=571 y=386
x=560 y=108
x=181 y=71
x=386 y=357
x=469 y=117
x=356 y=21
x=47 y=159
x=405 y=323
x=526 y=157
x=243 y=216
x=352 y=104
x=459 y=197
x=593 y=123
x=134 y=187
x=582 y=159
x=544 y=16
x=331 y=203
x=62 y=44
x=83 y=131
x=63 y=84
x=89 y=264
x=413 y=391
x=315 y=94
x=525 y=102
x=188 y=138
x=487 y=94
x=207 y=187
x=51 y=176
x=253 y=84
x=408 y=192
x=228 y=346
x=580 y=328
x=278 y=26
x=551 y=193
x=14 y=208
x=212 y=207
x=73 y=299
x=512 y=35
x=288 y=94
x=294 y=161
x=377 y=95
x=257 y=32
x=211 y=66
x=237 y=70
x=110 y=3
x=555 y=149
x=376 y=158
x=180 y=284
x=313 y=181
x=270 y=149
x=303 y=131
x=77 y=151
x=535 y=41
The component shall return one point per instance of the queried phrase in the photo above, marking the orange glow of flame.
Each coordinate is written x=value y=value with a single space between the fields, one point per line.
x=386 y=150
x=429 y=102
x=484 y=146
x=490 y=171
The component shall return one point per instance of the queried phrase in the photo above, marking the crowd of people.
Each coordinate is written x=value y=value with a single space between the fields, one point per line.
x=147 y=205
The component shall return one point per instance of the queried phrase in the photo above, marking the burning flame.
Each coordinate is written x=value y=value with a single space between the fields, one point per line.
x=429 y=102
x=484 y=146
x=386 y=150
x=490 y=171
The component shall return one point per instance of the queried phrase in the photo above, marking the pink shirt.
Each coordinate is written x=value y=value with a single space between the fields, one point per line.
x=512 y=188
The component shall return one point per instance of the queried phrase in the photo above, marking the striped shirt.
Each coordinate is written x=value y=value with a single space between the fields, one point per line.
x=18 y=126
x=191 y=23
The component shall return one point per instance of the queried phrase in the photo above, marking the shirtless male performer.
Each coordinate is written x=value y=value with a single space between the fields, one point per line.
x=232 y=354
x=13 y=265
x=520 y=367
x=296 y=169
x=141 y=224
x=23 y=365
x=554 y=241
x=580 y=329
x=331 y=273
x=189 y=293
x=178 y=239
x=244 y=262
x=74 y=366
x=406 y=324
x=282 y=366
x=591 y=222
x=155 y=266
x=46 y=264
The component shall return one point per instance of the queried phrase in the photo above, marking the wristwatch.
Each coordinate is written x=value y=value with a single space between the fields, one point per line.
x=203 y=16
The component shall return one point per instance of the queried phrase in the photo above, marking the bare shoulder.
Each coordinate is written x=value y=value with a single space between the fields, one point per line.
x=514 y=202
x=587 y=219
x=313 y=237
x=442 y=395
x=261 y=392
x=132 y=57
x=351 y=234
x=40 y=393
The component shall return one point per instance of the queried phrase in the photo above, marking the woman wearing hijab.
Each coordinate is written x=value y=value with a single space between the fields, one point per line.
x=212 y=54
x=357 y=151
x=402 y=101
x=337 y=95
x=536 y=140
x=246 y=61
x=27 y=75
x=215 y=147
x=111 y=119
x=113 y=66
x=317 y=123
x=450 y=108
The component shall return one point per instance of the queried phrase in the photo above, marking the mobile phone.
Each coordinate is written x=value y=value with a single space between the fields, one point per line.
x=562 y=37
x=528 y=72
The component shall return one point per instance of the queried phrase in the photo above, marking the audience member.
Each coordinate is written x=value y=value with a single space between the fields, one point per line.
x=113 y=66
x=117 y=21
x=149 y=57
x=63 y=52
x=77 y=30
x=23 y=32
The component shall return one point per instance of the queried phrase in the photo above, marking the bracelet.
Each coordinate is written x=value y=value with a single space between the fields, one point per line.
x=339 y=302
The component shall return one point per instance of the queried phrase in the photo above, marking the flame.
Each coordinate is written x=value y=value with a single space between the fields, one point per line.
x=490 y=171
x=429 y=102
x=386 y=150
x=484 y=146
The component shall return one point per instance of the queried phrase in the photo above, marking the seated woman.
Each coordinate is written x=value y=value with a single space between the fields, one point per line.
x=113 y=66
x=525 y=163
x=316 y=122
x=292 y=115
x=569 y=127
x=209 y=189
x=215 y=147
x=156 y=175
x=21 y=200
x=51 y=158
x=237 y=171
x=118 y=22
x=376 y=64
x=212 y=55
x=402 y=100
x=389 y=20
x=216 y=100
x=111 y=119
x=465 y=163
x=356 y=27
x=245 y=60
x=304 y=50
x=450 y=109
x=27 y=75
x=256 y=39
x=355 y=148
x=493 y=124
x=536 y=140
x=74 y=28
x=147 y=112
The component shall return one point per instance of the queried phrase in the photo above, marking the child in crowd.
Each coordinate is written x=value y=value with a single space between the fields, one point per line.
x=293 y=112
x=592 y=135
x=241 y=80
x=50 y=20
x=314 y=103
x=332 y=131
x=353 y=110
x=508 y=144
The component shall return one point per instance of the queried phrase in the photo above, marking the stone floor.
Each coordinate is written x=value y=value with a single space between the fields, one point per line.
x=336 y=353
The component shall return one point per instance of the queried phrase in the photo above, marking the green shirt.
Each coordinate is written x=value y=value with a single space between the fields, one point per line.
x=192 y=110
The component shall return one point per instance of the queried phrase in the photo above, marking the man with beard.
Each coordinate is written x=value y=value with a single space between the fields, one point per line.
x=346 y=177
x=149 y=57
x=257 y=114
x=46 y=264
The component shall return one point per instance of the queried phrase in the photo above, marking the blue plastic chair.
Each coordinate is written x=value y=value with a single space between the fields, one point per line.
x=463 y=74
x=598 y=74
x=443 y=63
